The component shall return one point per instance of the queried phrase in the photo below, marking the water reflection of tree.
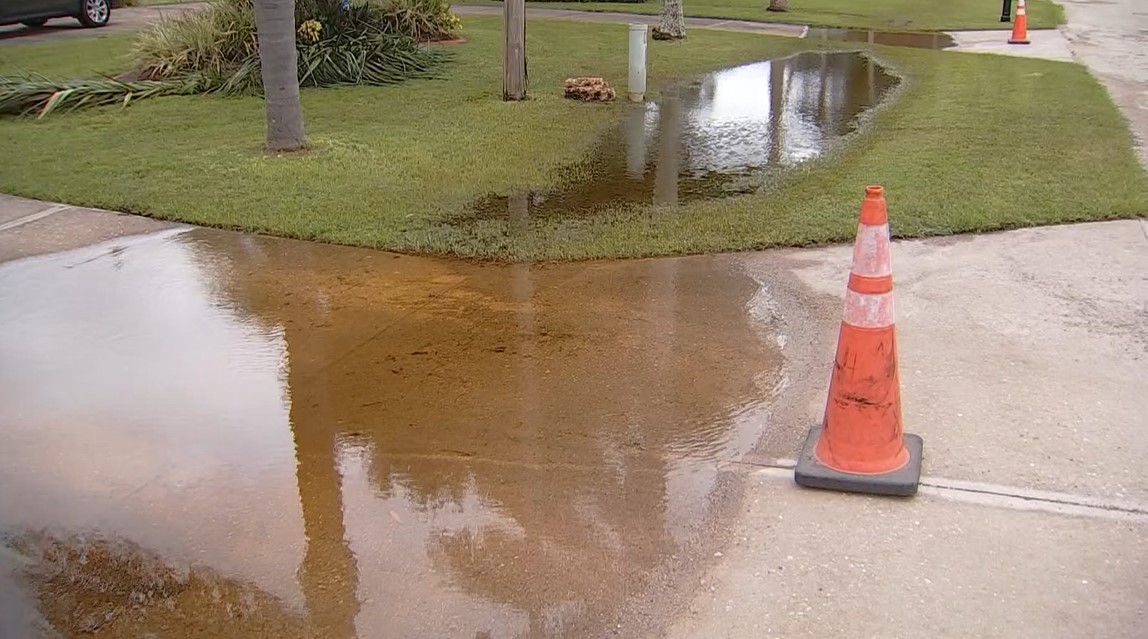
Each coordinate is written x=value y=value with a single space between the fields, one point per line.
x=540 y=390
x=779 y=111
x=328 y=575
x=306 y=308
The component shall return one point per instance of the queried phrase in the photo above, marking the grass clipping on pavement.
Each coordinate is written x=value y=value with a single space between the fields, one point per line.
x=972 y=142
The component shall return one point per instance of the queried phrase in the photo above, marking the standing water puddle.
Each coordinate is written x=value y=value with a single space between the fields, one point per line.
x=724 y=134
x=912 y=39
x=238 y=436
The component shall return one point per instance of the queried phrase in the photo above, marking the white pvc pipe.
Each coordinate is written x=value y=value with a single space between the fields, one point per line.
x=637 y=86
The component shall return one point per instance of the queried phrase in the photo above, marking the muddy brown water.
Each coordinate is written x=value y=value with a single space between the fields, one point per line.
x=727 y=133
x=211 y=434
x=912 y=39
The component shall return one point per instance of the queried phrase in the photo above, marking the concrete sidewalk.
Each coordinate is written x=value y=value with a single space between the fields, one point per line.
x=31 y=227
x=1024 y=366
x=1048 y=44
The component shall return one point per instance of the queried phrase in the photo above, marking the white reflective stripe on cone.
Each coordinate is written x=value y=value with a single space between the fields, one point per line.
x=871 y=251
x=865 y=310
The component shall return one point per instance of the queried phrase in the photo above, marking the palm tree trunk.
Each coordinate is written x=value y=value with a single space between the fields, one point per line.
x=778 y=5
x=672 y=25
x=275 y=27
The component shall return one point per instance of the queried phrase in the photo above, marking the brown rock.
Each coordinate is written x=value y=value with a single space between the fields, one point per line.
x=589 y=89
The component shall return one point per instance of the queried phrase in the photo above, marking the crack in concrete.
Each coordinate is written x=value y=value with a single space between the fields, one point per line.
x=28 y=219
x=997 y=495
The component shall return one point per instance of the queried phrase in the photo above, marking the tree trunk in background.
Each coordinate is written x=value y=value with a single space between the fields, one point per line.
x=672 y=25
x=514 y=50
x=778 y=5
x=275 y=28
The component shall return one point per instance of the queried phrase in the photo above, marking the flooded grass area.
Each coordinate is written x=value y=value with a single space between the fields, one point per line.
x=216 y=435
x=726 y=133
x=404 y=177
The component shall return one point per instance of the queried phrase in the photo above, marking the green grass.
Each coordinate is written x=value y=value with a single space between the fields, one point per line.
x=88 y=56
x=925 y=15
x=972 y=143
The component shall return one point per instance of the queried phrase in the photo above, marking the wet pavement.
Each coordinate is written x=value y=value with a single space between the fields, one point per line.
x=212 y=434
x=727 y=133
x=912 y=39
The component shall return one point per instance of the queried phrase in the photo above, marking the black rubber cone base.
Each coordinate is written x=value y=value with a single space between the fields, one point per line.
x=902 y=483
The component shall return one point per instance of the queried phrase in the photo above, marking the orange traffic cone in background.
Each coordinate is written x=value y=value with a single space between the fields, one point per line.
x=860 y=446
x=1020 y=25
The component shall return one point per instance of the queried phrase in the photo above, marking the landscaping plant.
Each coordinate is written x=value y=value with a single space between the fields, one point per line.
x=215 y=50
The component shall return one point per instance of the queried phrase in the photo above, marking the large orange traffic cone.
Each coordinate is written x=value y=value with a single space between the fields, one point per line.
x=860 y=446
x=1020 y=25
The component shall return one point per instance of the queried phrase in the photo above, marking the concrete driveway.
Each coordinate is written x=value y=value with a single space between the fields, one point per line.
x=123 y=20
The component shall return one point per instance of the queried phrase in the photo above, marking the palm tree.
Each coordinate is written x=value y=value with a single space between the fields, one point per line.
x=672 y=25
x=778 y=5
x=275 y=27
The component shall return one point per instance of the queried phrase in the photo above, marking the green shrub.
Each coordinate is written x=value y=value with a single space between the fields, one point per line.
x=213 y=42
x=425 y=20
x=215 y=50
x=369 y=43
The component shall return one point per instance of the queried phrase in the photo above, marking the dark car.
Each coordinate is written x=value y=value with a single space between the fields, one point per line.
x=34 y=13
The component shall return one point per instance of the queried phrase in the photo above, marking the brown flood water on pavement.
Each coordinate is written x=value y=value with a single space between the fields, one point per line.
x=209 y=434
x=729 y=132
x=911 y=39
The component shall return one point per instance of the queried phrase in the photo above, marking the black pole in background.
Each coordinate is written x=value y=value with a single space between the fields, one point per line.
x=1006 y=11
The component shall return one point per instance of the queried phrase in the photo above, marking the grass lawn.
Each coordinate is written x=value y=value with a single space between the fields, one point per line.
x=973 y=142
x=81 y=57
x=927 y=15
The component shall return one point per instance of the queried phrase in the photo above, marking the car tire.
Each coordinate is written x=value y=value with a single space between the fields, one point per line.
x=35 y=24
x=94 y=13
